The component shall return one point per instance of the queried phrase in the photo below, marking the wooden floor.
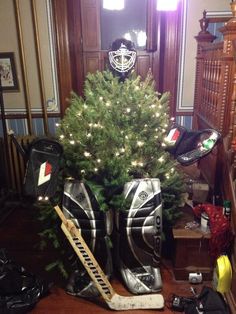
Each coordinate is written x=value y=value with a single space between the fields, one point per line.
x=58 y=302
x=18 y=233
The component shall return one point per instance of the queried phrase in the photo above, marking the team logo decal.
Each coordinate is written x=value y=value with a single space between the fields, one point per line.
x=44 y=173
x=80 y=197
x=173 y=136
x=143 y=195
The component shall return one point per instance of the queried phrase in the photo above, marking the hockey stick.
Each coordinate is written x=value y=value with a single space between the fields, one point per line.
x=113 y=300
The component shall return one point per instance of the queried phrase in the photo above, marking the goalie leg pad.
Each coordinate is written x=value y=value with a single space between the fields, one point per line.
x=80 y=205
x=138 y=236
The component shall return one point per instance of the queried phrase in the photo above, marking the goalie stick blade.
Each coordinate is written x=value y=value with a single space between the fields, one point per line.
x=149 y=301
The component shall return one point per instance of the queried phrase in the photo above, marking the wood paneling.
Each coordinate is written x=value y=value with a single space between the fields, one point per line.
x=90 y=17
x=144 y=64
x=92 y=62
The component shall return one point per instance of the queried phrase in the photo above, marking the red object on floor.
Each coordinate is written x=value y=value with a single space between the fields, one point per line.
x=221 y=234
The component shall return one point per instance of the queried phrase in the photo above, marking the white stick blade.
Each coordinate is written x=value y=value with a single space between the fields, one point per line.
x=148 y=301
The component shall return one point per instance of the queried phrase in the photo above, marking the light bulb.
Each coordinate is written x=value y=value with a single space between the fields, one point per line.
x=140 y=143
x=87 y=154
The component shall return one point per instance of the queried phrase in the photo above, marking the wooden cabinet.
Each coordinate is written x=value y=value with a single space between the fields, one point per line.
x=191 y=252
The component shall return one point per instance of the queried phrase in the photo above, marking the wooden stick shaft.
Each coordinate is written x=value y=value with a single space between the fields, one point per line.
x=86 y=256
x=114 y=300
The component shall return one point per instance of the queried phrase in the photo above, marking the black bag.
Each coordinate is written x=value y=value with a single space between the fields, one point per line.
x=19 y=290
x=208 y=302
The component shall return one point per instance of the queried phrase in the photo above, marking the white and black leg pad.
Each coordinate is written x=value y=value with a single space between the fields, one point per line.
x=138 y=236
x=80 y=205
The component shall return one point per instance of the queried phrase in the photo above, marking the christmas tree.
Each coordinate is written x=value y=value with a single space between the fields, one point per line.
x=115 y=133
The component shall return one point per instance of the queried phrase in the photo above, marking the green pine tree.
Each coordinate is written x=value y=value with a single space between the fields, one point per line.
x=117 y=133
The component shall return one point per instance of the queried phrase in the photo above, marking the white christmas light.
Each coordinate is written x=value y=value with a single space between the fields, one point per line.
x=87 y=154
x=161 y=159
x=101 y=98
x=72 y=142
x=108 y=104
x=57 y=124
x=62 y=136
x=117 y=154
x=140 y=143
x=128 y=110
x=89 y=135
x=157 y=114
x=82 y=171
x=95 y=169
x=98 y=160
x=122 y=150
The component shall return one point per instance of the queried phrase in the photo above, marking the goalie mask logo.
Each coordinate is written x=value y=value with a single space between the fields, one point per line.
x=45 y=171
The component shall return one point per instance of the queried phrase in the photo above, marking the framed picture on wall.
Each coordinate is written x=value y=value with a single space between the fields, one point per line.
x=8 y=75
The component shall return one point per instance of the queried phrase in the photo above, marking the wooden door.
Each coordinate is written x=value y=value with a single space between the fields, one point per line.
x=83 y=53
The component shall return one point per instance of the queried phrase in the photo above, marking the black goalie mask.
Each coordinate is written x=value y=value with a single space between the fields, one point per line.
x=122 y=57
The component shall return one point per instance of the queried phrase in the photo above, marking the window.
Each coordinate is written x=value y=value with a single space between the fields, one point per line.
x=129 y=22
